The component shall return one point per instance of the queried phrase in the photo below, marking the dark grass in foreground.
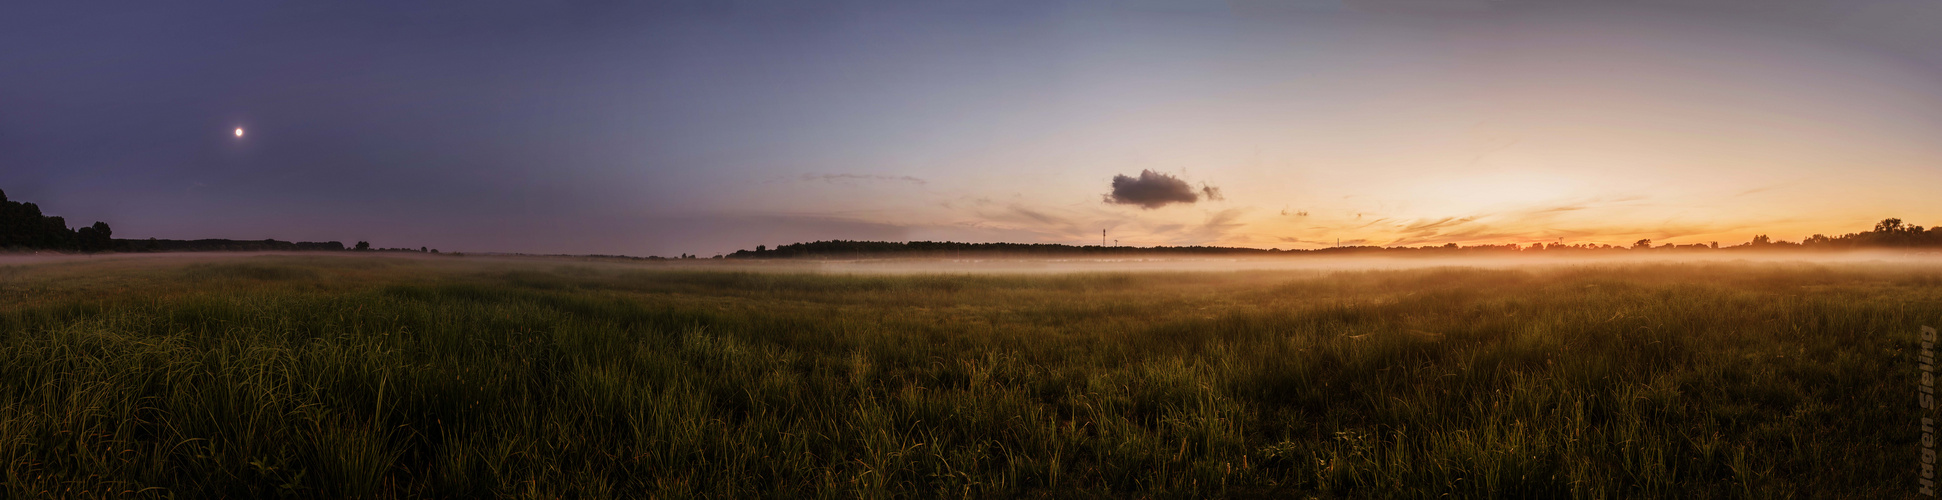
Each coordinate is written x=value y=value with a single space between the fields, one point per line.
x=375 y=377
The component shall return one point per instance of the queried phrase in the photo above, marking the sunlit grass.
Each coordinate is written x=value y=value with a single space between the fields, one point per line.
x=387 y=377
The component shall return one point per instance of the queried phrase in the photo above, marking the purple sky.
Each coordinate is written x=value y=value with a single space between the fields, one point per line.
x=703 y=127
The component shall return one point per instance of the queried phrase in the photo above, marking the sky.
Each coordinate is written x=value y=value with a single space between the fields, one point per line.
x=705 y=127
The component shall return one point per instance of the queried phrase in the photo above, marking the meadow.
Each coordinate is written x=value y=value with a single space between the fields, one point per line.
x=365 y=376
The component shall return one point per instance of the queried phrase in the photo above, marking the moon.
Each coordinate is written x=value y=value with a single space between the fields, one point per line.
x=239 y=131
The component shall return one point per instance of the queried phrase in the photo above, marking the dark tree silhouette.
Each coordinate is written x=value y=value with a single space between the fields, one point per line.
x=364 y=245
x=95 y=238
x=22 y=225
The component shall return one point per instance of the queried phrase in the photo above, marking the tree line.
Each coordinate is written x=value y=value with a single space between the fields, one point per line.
x=22 y=225
x=1888 y=234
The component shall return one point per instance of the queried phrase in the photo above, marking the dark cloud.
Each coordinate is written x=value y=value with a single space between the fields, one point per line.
x=1154 y=190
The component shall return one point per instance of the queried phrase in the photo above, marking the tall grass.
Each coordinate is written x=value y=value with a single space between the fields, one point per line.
x=361 y=378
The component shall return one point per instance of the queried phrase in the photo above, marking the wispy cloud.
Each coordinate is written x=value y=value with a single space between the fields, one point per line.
x=1219 y=226
x=1038 y=216
x=1574 y=220
x=852 y=178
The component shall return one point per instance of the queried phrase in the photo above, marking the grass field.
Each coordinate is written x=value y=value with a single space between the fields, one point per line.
x=369 y=376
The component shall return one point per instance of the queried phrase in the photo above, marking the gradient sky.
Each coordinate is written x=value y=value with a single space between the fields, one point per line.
x=704 y=127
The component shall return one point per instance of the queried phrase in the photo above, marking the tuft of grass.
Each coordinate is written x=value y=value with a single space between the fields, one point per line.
x=378 y=378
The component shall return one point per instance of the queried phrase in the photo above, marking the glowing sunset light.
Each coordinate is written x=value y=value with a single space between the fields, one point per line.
x=1255 y=124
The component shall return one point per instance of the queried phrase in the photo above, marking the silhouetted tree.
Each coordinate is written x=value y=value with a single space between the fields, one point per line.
x=364 y=245
x=23 y=225
x=1642 y=244
x=95 y=238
